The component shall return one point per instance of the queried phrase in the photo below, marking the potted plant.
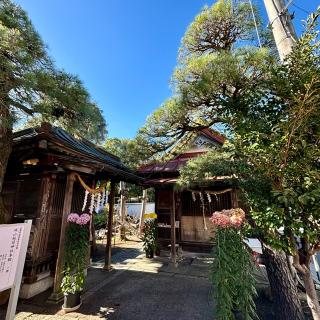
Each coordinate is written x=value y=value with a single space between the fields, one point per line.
x=149 y=236
x=75 y=253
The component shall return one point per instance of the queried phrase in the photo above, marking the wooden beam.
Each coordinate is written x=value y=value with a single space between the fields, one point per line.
x=79 y=168
x=107 y=263
x=173 y=231
x=57 y=294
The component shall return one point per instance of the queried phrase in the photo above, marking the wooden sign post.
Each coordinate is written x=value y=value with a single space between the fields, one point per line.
x=13 y=250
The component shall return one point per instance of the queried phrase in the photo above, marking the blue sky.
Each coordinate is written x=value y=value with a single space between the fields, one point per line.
x=123 y=50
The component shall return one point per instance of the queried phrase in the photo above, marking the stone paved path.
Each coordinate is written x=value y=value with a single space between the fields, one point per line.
x=137 y=288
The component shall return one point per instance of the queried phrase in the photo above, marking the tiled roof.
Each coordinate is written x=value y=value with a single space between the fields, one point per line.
x=174 y=165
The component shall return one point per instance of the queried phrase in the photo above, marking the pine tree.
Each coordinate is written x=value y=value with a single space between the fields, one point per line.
x=31 y=87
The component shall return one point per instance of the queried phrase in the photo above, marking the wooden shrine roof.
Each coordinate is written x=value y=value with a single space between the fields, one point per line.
x=172 y=167
x=62 y=145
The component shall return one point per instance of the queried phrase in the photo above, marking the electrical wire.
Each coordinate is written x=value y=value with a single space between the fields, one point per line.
x=296 y=6
x=300 y=8
x=287 y=5
x=255 y=23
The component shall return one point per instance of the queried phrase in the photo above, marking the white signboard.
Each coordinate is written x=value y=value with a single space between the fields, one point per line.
x=134 y=208
x=10 y=245
x=14 y=240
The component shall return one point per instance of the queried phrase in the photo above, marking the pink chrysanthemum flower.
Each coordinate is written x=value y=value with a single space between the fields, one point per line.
x=220 y=220
x=73 y=217
x=86 y=216
x=236 y=221
x=83 y=219
x=228 y=218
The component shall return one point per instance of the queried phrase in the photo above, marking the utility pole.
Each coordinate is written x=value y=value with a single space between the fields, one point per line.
x=281 y=25
x=285 y=38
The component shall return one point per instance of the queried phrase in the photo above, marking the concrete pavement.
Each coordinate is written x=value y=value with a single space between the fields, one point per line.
x=137 y=289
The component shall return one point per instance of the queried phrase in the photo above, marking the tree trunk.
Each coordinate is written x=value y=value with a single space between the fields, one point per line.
x=312 y=297
x=5 y=147
x=283 y=287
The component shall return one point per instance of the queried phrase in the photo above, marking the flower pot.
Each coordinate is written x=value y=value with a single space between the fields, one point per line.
x=149 y=254
x=72 y=301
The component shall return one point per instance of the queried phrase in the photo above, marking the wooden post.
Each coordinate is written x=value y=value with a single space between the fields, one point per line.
x=122 y=211
x=57 y=295
x=234 y=198
x=173 y=231
x=143 y=208
x=107 y=263
x=39 y=244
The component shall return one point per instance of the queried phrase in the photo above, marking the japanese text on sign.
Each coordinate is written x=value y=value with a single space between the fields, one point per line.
x=11 y=237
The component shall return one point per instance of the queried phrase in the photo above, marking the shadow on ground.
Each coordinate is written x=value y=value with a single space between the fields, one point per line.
x=137 y=288
x=140 y=289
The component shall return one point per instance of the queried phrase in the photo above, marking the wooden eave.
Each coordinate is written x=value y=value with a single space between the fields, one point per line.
x=71 y=151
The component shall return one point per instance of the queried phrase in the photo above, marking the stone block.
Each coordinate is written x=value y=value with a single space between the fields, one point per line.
x=43 y=283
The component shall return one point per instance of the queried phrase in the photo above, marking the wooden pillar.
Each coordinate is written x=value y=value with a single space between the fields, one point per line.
x=57 y=294
x=42 y=227
x=143 y=208
x=122 y=211
x=173 y=230
x=234 y=198
x=107 y=263
x=178 y=213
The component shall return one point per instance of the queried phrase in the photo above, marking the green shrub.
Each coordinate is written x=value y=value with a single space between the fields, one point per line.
x=232 y=275
x=75 y=252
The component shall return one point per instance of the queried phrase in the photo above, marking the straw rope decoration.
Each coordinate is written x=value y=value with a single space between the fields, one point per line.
x=215 y=193
x=90 y=190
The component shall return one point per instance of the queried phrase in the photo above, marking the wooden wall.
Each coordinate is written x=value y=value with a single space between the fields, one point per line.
x=26 y=200
x=163 y=207
x=56 y=215
x=194 y=208
x=192 y=216
x=9 y=192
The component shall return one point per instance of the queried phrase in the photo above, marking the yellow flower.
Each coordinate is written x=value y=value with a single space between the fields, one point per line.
x=150 y=216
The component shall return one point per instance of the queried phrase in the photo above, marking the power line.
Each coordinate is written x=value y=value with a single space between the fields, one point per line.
x=287 y=5
x=305 y=11
x=290 y=2
x=255 y=23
